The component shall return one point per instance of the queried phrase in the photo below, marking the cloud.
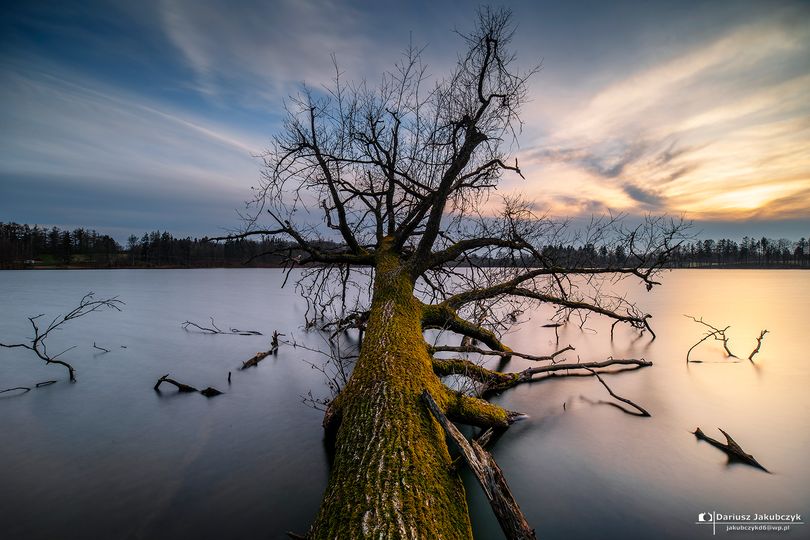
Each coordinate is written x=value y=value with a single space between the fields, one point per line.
x=261 y=51
x=65 y=136
x=718 y=131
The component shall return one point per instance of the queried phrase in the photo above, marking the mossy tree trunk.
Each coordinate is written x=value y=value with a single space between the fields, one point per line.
x=392 y=475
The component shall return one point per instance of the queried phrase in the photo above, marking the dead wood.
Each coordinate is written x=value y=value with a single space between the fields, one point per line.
x=759 y=344
x=255 y=359
x=38 y=343
x=641 y=410
x=556 y=327
x=259 y=356
x=502 y=354
x=102 y=349
x=734 y=450
x=23 y=388
x=181 y=387
x=185 y=388
x=214 y=329
x=718 y=334
x=489 y=475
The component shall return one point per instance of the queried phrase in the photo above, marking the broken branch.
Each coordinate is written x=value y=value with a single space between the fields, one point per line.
x=759 y=344
x=489 y=475
x=214 y=329
x=731 y=448
x=641 y=410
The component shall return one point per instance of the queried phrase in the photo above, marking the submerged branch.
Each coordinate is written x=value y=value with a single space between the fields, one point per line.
x=184 y=388
x=214 y=329
x=759 y=344
x=731 y=448
x=38 y=343
x=641 y=410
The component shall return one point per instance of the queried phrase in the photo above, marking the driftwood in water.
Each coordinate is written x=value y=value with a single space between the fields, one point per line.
x=489 y=475
x=26 y=389
x=259 y=356
x=731 y=448
x=185 y=388
x=641 y=410
x=255 y=359
x=759 y=344
x=180 y=386
x=88 y=304
x=214 y=329
x=718 y=334
x=556 y=327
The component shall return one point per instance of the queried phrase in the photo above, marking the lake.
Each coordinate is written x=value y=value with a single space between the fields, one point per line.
x=108 y=457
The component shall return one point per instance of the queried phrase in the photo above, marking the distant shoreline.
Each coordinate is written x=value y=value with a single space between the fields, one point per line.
x=276 y=266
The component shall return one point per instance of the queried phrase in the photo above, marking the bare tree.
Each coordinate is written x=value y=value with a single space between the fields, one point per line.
x=38 y=342
x=403 y=175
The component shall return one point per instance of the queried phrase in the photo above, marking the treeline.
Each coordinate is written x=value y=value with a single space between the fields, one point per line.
x=24 y=246
x=750 y=253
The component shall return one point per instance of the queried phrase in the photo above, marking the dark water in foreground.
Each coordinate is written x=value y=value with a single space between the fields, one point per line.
x=108 y=457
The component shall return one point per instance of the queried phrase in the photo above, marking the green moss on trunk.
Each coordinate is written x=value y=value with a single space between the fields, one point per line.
x=392 y=474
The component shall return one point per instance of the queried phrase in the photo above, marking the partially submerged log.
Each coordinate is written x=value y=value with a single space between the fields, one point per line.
x=489 y=475
x=734 y=450
x=185 y=388
x=255 y=359
x=259 y=356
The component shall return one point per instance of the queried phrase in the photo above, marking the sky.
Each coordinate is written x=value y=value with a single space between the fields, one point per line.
x=129 y=117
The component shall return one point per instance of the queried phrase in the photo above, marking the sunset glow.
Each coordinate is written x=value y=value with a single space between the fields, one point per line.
x=701 y=111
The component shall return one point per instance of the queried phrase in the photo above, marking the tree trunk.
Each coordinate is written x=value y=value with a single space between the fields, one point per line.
x=392 y=474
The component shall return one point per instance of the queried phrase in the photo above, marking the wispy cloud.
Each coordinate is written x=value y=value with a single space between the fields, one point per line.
x=720 y=131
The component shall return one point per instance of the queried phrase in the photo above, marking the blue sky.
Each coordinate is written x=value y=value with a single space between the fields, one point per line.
x=134 y=116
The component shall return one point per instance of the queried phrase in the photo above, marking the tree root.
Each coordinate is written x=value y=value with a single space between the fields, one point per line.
x=490 y=477
x=184 y=388
x=734 y=450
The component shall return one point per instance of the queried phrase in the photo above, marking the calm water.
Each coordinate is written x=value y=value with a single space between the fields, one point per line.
x=108 y=457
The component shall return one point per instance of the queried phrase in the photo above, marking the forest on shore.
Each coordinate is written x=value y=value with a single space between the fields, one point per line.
x=26 y=246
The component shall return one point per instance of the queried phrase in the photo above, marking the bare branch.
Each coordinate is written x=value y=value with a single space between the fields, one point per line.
x=38 y=345
x=759 y=344
x=641 y=410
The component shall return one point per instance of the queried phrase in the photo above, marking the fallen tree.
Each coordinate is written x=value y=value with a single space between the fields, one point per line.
x=399 y=174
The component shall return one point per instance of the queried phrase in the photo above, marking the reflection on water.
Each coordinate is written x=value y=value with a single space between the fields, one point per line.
x=109 y=457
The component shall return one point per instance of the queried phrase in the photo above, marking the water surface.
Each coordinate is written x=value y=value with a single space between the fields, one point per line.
x=108 y=457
